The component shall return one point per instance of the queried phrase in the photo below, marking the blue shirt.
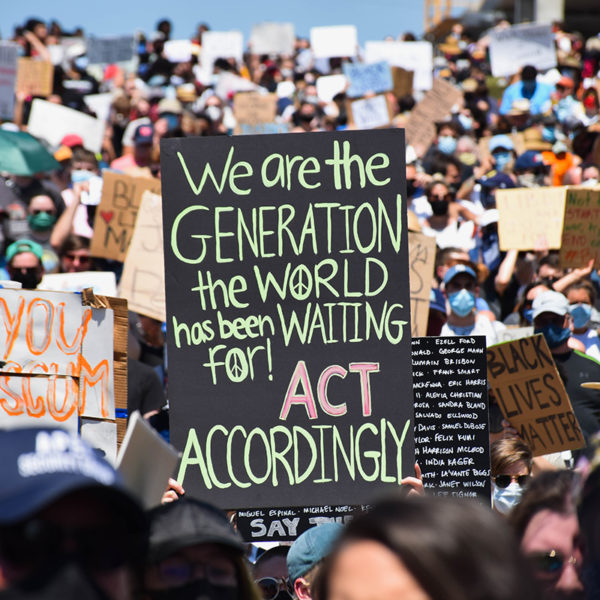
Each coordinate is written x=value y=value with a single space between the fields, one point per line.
x=538 y=103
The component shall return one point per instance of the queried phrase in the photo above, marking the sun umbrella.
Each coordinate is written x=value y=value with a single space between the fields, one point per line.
x=22 y=154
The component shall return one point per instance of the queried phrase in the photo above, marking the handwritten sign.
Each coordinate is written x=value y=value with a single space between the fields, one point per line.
x=413 y=56
x=531 y=395
x=143 y=279
x=35 y=77
x=452 y=442
x=370 y=113
x=57 y=359
x=337 y=40
x=8 y=78
x=110 y=49
x=292 y=311
x=530 y=216
x=273 y=38
x=52 y=122
x=252 y=110
x=435 y=107
x=581 y=232
x=365 y=78
x=520 y=45
x=117 y=212
x=421 y=261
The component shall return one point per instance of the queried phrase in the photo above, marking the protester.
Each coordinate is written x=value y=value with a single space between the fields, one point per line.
x=271 y=575
x=24 y=263
x=582 y=298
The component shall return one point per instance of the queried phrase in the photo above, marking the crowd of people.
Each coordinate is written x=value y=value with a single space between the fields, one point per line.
x=68 y=526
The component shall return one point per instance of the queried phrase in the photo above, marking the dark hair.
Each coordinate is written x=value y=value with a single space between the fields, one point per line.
x=277 y=551
x=551 y=490
x=73 y=243
x=584 y=284
x=455 y=549
x=551 y=260
x=528 y=73
x=83 y=155
x=508 y=451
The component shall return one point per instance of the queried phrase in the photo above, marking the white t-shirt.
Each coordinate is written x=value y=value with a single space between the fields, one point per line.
x=483 y=326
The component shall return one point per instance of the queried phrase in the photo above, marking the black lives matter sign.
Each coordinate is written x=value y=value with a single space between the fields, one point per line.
x=288 y=316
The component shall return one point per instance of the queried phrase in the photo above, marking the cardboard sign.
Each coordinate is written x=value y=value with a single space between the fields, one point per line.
x=252 y=109
x=370 y=113
x=57 y=359
x=435 y=107
x=528 y=217
x=8 y=78
x=531 y=395
x=452 y=438
x=143 y=278
x=334 y=41
x=581 y=232
x=52 y=122
x=222 y=44
x=117 y=212
x=421 y=262
x=403 y=81
x=329 y=86
x=101 y=282
x=368 y=78
x=273 y=38
x=35 y=77
x=111 y=49
x=286 y=265
x=414 y=56
x=520 y=45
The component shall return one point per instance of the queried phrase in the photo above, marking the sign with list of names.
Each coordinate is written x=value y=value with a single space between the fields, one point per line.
x=286 y=261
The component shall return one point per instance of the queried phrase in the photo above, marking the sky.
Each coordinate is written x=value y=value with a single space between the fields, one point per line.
x=374 y=19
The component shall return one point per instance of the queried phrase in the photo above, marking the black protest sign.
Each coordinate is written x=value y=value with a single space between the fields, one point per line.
x=452 y=442
x=286 y=276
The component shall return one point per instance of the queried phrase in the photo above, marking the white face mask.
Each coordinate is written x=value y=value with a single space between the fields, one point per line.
x=505 y=499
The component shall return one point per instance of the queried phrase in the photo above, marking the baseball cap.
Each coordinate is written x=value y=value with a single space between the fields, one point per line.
x=21 y=246
x=530 y=159
x=188 y=522
x=170 y=105
x=552 y=302
x=565 y=82
x=71 y=140
x=144 y=134
x=501 y=141
x=494 y=179
x=310 y=548
x=452 y=272
x=43 y=464
x=559 y=147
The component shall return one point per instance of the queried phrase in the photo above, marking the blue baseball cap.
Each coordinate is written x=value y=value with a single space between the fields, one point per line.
x=494 y=179
x=310 y=548
x=531 y=159
x=501 y=141
x=452 y=272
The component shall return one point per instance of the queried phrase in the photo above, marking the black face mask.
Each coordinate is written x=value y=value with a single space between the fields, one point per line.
x=439 y=207
x=195 y=590
x=29 y=280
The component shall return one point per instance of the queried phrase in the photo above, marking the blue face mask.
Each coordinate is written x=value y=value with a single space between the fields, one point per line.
x=466 y=122
x=581 y=313
x=80 y=175
x=462 y=302
x=554 y=334
x=447 y=144
x=528 y=315
x=502 y=159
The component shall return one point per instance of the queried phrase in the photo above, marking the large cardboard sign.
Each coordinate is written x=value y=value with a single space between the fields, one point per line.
x=57 y=359
x=286 y=265
x=528 y=217
x=369 y=113
x=253 y=110
x=273 y=38
x=34 y=77
x=452 y=438
x=520 y=45
x=333 y=41
x=413 y=56
x=52 y=122
x=8 y=78
x=421 y=261
x=531 y=395
x=111 y=49
x=117 y=212
x=368 y=78
x=580 y=241
x=435 y=107
x=143 y=278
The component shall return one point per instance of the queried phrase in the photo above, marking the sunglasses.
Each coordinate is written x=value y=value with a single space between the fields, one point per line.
x=177 y=571
x=503 y=481
x=82 y=259
x=270 y=586
x=36 y=211
x=447 y=197
x=550 y=563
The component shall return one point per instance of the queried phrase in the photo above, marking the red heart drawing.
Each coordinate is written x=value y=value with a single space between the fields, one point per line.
x=107 y=215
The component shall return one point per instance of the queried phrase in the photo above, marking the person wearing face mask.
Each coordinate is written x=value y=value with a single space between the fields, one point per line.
x=582 y=298
x=531 y=170
x=502 y=150
x=194 y=553
x=511 y=461
x=537 y=93
x=461 y=291
x=24 y=263
x=551 y=318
